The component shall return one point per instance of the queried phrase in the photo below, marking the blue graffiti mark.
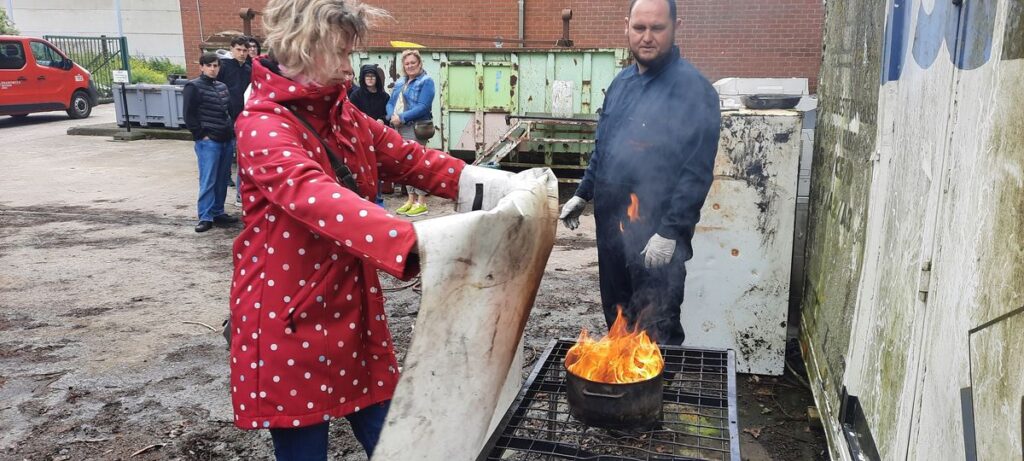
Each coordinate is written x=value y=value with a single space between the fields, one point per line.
x=895 y=40
x=936 y=28
x=497 y=83
x=978 y=31
x=933 y=29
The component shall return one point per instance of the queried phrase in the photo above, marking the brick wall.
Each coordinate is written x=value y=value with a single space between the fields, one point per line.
x=723 y=38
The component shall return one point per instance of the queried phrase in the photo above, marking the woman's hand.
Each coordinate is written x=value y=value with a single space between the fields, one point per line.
x=396 y=121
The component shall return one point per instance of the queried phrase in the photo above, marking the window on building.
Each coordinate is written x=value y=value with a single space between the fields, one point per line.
x=12 y=55
x=45 y=55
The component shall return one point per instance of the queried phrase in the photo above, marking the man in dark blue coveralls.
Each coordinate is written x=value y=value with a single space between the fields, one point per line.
x=656 y=138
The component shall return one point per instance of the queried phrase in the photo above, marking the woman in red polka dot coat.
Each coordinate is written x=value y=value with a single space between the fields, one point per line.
x=311 y=341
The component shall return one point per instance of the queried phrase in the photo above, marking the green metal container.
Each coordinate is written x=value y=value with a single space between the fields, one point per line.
x=478 y=89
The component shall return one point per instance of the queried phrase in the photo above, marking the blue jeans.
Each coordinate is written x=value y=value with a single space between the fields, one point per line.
x=214 y=170
x=310 y=443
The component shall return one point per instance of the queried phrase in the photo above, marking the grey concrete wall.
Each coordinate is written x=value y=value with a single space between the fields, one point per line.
x=153 y=27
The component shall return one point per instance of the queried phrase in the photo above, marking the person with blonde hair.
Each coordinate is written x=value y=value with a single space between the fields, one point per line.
x=309 y=334
x=409 y=113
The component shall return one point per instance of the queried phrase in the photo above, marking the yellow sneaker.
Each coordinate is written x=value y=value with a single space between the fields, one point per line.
x=404 y=208
x=418 y=209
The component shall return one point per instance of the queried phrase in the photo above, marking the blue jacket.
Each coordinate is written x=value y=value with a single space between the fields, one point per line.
x=419 y=96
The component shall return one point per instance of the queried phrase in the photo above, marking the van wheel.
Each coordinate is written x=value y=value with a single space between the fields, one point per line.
x=80 y=106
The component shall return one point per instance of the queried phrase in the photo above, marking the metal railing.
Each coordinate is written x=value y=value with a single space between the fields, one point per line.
x=99 y=55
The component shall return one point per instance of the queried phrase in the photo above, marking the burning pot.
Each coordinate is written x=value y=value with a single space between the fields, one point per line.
x=630 y=406
x=616 y=382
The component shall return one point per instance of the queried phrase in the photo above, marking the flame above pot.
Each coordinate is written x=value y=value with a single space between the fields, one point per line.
x=621 y=357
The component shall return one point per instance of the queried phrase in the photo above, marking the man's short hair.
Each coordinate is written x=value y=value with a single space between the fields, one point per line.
x=208 y=58
x=671 y=10
x=240 y=40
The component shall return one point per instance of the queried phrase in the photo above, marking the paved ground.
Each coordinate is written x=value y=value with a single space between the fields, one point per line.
x=105 y=289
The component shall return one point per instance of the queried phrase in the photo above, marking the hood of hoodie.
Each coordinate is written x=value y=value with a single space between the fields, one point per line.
x=375 y=70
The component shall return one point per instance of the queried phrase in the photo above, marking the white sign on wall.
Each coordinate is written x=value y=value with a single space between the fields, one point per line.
x=120 y=76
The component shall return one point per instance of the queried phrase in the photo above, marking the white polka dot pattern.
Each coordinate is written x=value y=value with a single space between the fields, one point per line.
x=311 y=340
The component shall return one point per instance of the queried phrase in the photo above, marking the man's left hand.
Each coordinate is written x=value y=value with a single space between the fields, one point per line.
x=658 y=251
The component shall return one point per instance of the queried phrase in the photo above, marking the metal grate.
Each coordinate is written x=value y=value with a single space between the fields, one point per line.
x=99 y=55
x=698 y=422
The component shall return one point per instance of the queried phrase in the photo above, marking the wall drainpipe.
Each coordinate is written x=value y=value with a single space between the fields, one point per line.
x=199 y=11
x=522 y=23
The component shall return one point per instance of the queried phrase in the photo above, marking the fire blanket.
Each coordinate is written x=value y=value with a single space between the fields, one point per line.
x=480 y=273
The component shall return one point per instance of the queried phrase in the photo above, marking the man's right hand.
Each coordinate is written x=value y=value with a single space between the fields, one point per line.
x=571 y=212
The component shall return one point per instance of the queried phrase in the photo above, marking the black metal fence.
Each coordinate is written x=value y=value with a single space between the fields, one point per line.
x=99 y=55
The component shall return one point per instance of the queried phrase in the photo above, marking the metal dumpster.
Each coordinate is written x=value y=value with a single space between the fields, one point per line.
x=478 y=89
x=150 y=105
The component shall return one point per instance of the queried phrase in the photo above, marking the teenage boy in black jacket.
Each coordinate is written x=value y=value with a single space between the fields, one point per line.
x=206 y=103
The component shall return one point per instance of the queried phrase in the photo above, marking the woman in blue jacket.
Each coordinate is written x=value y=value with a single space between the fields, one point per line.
x=409 y=113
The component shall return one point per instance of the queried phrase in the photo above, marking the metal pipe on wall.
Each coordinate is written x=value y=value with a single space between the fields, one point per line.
x=10 y=10
x=199 y=11
x=117 y=16
x=522 y=22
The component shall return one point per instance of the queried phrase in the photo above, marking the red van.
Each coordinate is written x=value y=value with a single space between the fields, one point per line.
x=37 y=77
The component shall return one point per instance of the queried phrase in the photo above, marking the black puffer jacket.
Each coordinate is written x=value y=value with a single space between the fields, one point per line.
x=205 y=102
x=373 y=104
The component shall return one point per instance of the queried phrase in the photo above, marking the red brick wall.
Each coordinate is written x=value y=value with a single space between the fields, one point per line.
x=723 y=38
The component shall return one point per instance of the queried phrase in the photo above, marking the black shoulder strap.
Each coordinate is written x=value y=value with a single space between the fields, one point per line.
x=341 y=171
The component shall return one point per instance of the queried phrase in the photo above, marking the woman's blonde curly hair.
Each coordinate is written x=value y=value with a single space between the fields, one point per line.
x=307 y=36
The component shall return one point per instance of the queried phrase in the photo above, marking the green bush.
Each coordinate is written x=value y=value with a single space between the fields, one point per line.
x=6 y=26
x=153 y=70
x=164 y=65
x=147 y=75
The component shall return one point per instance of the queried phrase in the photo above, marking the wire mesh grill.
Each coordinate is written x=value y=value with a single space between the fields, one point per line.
x=698 y=421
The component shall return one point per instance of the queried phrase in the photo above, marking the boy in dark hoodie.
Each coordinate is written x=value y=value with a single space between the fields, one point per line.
x=370 y=96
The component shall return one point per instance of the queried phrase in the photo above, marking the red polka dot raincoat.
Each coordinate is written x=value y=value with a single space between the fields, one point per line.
x=311 y=341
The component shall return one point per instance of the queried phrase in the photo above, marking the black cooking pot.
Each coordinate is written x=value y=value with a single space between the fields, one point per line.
x=628 y=407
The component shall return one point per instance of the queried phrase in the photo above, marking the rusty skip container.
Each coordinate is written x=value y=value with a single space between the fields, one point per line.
x=476 y=89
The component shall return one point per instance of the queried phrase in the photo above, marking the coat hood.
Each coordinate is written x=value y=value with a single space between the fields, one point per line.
x=374 y=69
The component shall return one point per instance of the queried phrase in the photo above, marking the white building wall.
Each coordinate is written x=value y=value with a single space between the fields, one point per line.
x=153 y=27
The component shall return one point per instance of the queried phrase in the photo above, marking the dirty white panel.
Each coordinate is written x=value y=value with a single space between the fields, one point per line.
x=737 y=287
x=561 y=98
x=978 y=268
x=998 y=389
x=479 y=129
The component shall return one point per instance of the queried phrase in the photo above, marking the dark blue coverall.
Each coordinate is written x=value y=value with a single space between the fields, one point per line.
x=657 y=137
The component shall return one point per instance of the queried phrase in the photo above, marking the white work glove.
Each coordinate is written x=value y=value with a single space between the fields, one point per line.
x=658 y=251
x=494 y=183
x=571 y=212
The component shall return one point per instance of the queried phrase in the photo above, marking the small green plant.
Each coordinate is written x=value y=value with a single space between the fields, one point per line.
x=153 y=70
x=6 y=26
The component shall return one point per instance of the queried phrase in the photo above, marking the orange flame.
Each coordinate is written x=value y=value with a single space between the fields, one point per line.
x=633 y=212
x=621 y=357
x=634 y=208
